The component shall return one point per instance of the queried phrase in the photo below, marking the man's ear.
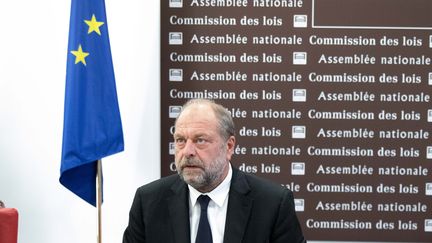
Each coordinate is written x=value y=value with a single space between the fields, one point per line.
x=230 y=147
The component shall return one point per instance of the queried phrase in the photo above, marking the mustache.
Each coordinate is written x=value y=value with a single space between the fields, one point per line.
x=190 y=162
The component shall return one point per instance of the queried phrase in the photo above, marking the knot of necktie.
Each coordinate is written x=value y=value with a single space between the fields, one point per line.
x=203 y=201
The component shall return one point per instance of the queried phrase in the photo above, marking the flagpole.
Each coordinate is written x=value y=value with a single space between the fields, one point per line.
x=99 y=199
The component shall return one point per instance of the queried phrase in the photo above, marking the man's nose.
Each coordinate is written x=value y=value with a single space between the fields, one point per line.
x=189 y=150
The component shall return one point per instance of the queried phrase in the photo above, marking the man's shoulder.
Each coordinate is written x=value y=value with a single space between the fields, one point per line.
x=260 y=184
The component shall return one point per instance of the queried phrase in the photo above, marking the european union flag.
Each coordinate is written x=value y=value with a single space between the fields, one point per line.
x=92 y=126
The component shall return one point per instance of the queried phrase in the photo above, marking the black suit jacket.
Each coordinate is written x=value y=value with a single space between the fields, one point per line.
x=258 y=211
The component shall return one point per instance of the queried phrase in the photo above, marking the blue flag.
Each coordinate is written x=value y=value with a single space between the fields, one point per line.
x=92 y=126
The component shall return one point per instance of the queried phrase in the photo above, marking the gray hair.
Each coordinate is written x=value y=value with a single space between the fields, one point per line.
x=226 y=123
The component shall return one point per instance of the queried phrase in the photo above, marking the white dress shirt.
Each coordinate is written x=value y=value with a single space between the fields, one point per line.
x=216 y=211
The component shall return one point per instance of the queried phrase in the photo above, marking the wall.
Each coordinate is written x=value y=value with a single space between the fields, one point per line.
x=33 y=50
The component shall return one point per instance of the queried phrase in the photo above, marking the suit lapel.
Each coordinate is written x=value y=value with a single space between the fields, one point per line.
x=178 y=206
x=239 y=208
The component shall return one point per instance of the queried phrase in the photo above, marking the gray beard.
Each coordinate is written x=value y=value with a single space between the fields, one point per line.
x=207 y=180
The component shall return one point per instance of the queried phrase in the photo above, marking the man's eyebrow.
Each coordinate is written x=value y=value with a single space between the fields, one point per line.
x=197 y=135
x=202 y=134
x=176 y=135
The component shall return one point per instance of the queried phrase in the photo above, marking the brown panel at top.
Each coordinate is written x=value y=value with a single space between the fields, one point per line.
x=373 y=13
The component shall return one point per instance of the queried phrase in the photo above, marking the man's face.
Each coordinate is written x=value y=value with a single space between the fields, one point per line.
x=202 y=155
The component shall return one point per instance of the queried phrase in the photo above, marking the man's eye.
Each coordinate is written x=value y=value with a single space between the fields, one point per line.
x=200 y=141
x=179 y=141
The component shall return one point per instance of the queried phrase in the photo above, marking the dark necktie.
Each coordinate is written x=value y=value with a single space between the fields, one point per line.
x=204 y=232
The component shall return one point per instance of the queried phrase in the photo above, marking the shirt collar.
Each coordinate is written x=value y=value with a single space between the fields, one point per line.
x=217 y=195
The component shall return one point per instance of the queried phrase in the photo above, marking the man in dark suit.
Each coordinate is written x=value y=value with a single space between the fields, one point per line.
x=241 y=207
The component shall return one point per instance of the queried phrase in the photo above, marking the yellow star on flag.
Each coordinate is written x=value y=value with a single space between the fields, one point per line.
x=93 y=25
x=80 y=55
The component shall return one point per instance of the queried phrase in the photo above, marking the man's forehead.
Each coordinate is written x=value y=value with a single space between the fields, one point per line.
x=198 y=109
x=196 y=115
x=203 y=127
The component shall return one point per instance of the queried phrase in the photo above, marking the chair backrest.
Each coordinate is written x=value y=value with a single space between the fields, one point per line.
x=8 y=225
